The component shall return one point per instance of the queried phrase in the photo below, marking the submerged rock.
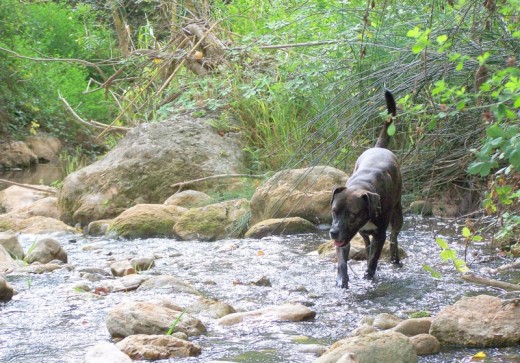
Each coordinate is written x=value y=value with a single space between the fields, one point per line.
x=45 y=250
x=6 y=291
x=478 y=321
x=6 y=261
x=153 y=347
x=377 y=347
x=10 y=242
x=425 y=344
x=386 y=321
x=167 y=284
x=129 y=318
x=285 y=312
x=106 y=353
x=414 y=326
x=357 y=250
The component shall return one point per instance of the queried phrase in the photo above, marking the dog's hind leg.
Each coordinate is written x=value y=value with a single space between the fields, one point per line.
x=396 y=222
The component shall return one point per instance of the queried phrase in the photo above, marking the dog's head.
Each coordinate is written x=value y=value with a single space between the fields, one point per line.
x=352 y=209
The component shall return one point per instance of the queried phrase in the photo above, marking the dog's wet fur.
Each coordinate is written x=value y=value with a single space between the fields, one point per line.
x=368 y=203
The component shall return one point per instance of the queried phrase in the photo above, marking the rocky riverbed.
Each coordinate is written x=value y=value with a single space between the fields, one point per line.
x=278 y=294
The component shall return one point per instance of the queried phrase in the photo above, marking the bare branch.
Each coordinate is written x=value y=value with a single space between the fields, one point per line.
x=93 y=124
x=220 y=176
x=64 y=60
x=502 y=268
x=469 y=277
x=50 y=191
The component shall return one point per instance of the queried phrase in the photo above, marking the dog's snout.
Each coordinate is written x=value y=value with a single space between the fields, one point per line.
x=334 y=233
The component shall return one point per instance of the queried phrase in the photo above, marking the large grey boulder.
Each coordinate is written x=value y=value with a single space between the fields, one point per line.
x=377 y=347
x=144 y=165
x=304 y=193
x=478 y=321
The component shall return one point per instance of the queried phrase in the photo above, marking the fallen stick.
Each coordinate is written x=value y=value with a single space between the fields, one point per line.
x=502 y=268
x=220 y=176
x=27 y=186
x=469 y=277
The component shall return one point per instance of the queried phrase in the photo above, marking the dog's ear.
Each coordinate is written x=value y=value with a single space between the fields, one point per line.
x=335 y=191
x=374 y=204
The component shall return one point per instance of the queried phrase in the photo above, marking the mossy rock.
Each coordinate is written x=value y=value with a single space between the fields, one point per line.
x=213 y=222
x=189 y=199
x=280 y=227
x=146 y=220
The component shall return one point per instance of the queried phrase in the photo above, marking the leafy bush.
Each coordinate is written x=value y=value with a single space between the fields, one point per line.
x=33 y=33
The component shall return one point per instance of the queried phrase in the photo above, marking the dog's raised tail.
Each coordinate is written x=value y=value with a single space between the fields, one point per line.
x=384 y=138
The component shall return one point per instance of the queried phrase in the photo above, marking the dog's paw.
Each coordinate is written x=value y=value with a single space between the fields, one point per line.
x=397 y=263
x=369 y=275
x=342 y=283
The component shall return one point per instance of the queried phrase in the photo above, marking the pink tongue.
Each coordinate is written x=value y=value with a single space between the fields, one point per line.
x=339 y=243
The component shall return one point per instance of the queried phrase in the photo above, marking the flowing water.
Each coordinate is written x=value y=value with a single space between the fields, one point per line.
x=48 y=321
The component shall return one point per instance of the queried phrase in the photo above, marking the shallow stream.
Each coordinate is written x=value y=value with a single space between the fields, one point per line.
x=48 y=321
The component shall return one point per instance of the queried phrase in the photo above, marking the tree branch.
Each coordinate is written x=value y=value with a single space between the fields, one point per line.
x=27 y=186
x=469 y=277
x=65 y=60
x=220 y=176
x=509 y=266
x=93 y=124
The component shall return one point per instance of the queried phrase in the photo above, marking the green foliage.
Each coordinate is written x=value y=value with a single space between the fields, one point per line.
x=420 y=314
x=33 y=32
x=174 y=324
x=448 y=254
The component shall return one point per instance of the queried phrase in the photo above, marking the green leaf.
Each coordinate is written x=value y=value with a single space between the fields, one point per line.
x=460 y=265
x=476 y=238
x=494 y=131
x=448 y=254
x=514 y=159
x=414 y=33
x=435 y=274
x=441 y=39
x=442 y=243
x=391 y=130
x=466 y=232
x=417 y=48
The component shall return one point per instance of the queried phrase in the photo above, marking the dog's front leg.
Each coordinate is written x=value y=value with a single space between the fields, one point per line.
x=378 y=241
x=342 y=254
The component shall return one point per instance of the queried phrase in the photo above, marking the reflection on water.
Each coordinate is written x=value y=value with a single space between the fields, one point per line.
x=48 y=321
x=41 y=174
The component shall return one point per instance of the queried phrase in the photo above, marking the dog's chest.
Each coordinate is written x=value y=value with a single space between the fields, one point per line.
x=369 y=227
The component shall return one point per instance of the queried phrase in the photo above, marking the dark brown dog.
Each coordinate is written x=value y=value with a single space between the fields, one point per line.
x=370 y=201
